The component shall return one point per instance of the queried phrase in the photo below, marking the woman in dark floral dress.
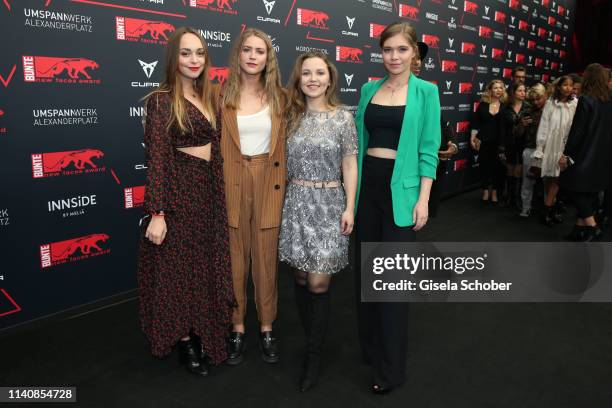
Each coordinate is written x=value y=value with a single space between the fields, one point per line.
x=184 y=273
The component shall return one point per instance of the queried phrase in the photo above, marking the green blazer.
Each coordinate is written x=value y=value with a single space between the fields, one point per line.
x=417 y=153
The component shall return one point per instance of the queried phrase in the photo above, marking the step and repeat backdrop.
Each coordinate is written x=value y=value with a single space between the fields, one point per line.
x=73 y=73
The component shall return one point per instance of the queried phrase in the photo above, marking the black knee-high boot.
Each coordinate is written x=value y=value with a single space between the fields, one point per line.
x=319 y=318
x=302 y=301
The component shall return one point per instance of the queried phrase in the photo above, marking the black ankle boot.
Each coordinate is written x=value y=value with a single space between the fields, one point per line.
x=547 y=215
x=319 y=318
x=190 y=354
x=303 y=306
x=591 y=234
x=557 y=212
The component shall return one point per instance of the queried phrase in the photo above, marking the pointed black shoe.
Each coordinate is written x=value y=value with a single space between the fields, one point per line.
x=235 y=348
x=268 y=347
x=190 y=357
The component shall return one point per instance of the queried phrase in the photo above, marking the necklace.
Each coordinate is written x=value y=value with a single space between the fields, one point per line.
x=394 y=89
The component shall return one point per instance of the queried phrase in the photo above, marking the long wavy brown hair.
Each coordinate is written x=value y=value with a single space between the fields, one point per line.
x=172 y=83
x=297 y=99
x=595 y=82
x=270 y=77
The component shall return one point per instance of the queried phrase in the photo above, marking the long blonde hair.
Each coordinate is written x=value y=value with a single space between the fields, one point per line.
x=486 y=95
x=172 y=84
x=270 y=77
x=297 y=99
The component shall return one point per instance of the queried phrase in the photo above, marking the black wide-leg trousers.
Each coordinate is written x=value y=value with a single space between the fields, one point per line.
x=382 y=326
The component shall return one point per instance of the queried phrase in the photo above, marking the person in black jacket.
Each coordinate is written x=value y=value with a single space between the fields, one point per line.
x=512 y=142
x=447 y=147
x=485 y=138
x=585 y=163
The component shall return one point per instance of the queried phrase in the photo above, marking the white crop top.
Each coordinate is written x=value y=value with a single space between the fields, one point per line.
x=255 y=131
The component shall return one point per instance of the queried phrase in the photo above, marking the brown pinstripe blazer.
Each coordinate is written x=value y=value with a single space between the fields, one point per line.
x=275 y=178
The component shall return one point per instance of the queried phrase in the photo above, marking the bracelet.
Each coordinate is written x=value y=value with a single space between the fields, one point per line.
x=154 y=214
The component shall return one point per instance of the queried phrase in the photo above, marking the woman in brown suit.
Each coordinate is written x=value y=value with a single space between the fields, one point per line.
x=253 y=149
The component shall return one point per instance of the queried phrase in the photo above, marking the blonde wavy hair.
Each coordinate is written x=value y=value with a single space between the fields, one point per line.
x=486 y=95
x=270 y=77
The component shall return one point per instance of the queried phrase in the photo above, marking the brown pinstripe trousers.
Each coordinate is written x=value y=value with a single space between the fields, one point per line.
x=251 y=244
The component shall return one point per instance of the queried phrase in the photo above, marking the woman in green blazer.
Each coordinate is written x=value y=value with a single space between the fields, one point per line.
x=398 y=124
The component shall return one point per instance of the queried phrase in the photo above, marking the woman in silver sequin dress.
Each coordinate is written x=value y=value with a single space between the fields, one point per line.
x=319 y=204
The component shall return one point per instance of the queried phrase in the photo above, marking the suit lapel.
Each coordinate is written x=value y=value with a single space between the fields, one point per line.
x=274 y=135
x=231 y=125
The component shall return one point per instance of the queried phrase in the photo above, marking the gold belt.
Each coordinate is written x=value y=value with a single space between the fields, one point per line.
x=317 y=184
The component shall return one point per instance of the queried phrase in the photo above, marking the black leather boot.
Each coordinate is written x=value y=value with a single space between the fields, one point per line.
x=591 y=234
x=557 y=212
x=303 y=306
x=191 y=357
x=235 y=348
x=547 y=215
x=319 y=318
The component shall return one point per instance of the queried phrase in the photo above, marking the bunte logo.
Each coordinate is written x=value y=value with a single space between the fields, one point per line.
x=348 y=54
x=312 y=18
x=146 y=31
x=70 y=162
x=376 y=29
x=49 y=69
x=71 y=250
x=407 y=11
x=219 y=74
x=432 y=41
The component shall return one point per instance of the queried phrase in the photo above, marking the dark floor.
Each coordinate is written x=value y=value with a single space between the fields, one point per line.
x=461 y=355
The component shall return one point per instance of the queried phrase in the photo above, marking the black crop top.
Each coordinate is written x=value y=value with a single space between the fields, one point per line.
x=384 y=125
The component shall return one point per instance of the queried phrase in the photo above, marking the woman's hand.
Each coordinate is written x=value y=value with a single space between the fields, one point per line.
x=420 y=214
x=450 y=151
x=475 y=143
x=156 y=231
x=347 y=222
x=563 y=162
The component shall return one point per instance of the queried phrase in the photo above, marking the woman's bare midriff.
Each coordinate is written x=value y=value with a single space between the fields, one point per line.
x=201 y=152
x=382 y=153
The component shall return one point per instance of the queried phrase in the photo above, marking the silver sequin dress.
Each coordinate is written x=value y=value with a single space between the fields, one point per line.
x=310 y=236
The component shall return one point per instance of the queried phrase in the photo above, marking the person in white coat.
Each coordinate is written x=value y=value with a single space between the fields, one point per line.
x=550 y=141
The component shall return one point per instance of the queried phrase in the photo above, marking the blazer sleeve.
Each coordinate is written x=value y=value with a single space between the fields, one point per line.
x=159 y=154
x=580 y=123
x=429 y=142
